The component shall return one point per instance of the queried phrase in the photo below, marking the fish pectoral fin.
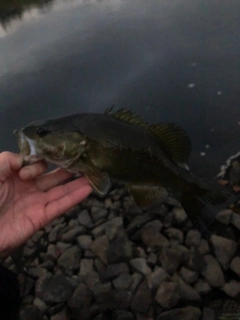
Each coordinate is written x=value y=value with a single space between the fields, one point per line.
x=173 y=140
x=145 y=195
x=100 y=181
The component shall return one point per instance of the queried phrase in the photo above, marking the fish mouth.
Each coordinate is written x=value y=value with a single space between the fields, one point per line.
x=28 y=148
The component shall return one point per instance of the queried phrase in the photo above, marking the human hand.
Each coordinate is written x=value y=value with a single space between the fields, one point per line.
x=30 y=199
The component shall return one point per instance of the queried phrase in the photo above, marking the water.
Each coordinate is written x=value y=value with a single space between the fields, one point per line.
x=174 y=61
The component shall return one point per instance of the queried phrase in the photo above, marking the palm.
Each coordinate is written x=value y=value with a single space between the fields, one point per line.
x=27 y=206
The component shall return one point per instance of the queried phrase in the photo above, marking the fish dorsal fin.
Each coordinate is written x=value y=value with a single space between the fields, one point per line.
x=174 y=141
x=126 y=116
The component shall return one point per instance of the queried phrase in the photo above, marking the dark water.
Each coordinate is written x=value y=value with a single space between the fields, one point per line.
x=175 y=61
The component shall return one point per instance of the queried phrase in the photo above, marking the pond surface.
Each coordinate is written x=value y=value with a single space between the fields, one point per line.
x=176 y=61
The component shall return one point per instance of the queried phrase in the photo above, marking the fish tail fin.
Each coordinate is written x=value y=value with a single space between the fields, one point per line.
x=202 y=205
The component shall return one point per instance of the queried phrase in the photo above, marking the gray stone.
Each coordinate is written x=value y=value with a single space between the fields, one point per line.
x=187 y=313
x=30 y=312
x=156 y=277
x=41 y=305
x=224 y=250
x=114 y=227
x=224 y=216
x=99 y=230
x=152 y=259
x=142 y=298
x=170 y=259
x=119 y=299
x=167 y=295
x=140 y=265
x=236 y=220
x=119 y=250
x=69 y=261
x=80 y=298
x=232 y=288
x=37 y=236
x=42 y=283
x=208 y=314
x=113 y=270
x=235 y=265
x=62 y=246
x=179 y=215
x=203 y=247
x=58 y=290
x=86 y=266
x=98 y=213
x=202 y=287
x=136 y=278
x=91 y=279
x=84 y=242
x=175 y=234
x=72 y=234
x=154 y=239
x=155 y=225
x=99 y=247
x=84 y=219
x=193 y=238
x=138 y=222
x=101 y=291
x=55 y=231
x=194 y=260
x=53 y=252
x=62 y=315
x=37 y=272
x=189 y=276
x=212 y=272
x=122 y=315
x=123 y=281
x=185 y=291
x=73 y=223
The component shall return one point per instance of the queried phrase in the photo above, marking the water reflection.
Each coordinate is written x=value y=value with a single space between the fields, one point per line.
x=168 y=60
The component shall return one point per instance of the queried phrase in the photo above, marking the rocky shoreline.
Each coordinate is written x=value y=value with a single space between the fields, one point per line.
x=108 y=259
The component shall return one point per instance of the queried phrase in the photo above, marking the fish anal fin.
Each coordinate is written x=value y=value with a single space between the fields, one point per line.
x=145 y=195
x=99 y=181
x=127 y=116
x=174 y=141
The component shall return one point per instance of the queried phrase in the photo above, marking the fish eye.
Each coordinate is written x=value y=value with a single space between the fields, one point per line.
x=41 y=132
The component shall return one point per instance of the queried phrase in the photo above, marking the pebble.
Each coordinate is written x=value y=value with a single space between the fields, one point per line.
x=203 y=247
x=41 y=305
x=69 y=261
x=208 y=314
x=84 y=242
x=58 y=290
x=235 y=265
x=156 y=277
x=189 y=276
x=98 y=213
x=62 y=315
x=236 y=220
x=167 y=295
x=123 y=281
x=119 y=250
x=193 y=238
x=175 y=234
x=140 y=265
x=113 y=270
x=142 y=298
x=86 y=266
x=212 y=272
x=84 y=219
x=186 y=292
x=232 y=288
x=80 y=297
x=114 y=227
x=72 y=234
x=170 y=259
x=224 y=216
x=186 y=313
x=202 y=286
x=137 y=278
x=99 y=248
x=154 y=239
x=193 y=260
x=53 y=234
x=180 y=215
x=224 y=250
x=122 y=315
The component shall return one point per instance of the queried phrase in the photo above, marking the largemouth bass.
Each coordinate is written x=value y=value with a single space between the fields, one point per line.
x=122 y=147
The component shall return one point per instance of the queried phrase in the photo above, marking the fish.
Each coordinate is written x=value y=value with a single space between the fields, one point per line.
x=120 y=146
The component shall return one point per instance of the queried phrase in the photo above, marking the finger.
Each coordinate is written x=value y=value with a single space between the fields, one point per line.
x=53 y=179
x=33 y=171
x=60 y=206
x=63 y=190
x=9 y=162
